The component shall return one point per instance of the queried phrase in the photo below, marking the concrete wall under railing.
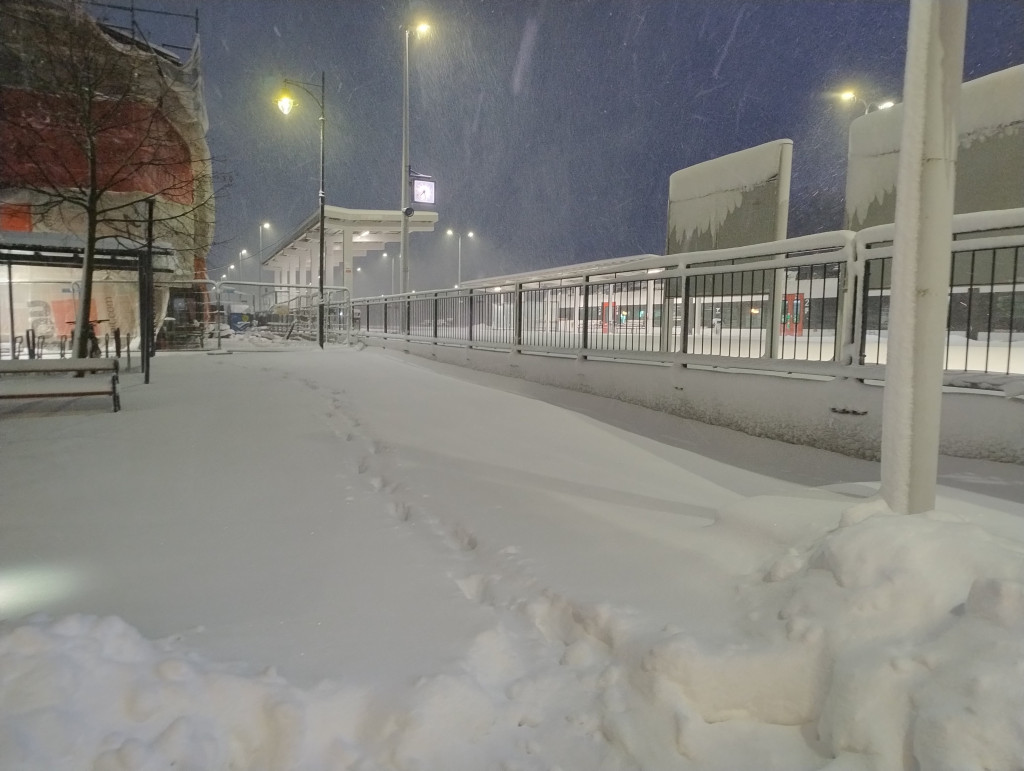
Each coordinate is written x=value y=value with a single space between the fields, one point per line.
x=842 y=415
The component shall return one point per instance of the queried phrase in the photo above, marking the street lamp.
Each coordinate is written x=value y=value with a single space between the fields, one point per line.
x=406 y=210
x=468 y=235
x=285 y=104
x=852 y=96
x=385 y=256
x=241 y=264
x=259 y=259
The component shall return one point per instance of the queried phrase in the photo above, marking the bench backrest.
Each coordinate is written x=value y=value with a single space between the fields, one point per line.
x=57 y=365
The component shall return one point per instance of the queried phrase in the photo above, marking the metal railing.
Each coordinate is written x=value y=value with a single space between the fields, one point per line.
x=985 y=316
x=815 y=304
x=717 y=303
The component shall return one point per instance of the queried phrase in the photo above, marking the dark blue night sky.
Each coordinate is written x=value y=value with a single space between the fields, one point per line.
x=551 y=126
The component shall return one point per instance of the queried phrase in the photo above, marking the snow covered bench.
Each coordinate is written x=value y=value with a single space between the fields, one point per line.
x=53 y=378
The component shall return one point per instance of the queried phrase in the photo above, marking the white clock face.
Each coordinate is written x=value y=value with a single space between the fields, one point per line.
x=423 y=191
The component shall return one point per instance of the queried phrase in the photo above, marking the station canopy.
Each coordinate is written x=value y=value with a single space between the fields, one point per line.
x=350 y=235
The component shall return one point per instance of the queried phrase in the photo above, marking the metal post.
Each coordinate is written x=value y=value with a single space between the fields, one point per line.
x=912 y=403
x=10 y=302
x=259 y=273
x=586 y=313
x=403 y=255
x=519 y=317
x=220 y=315
x=323 y=202
x=147 y=320
x=458 y=281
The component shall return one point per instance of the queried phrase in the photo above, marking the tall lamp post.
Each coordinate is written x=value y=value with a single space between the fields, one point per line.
x=385 y=256
x=852 y=96
x=451 y=232
x=406 y=209
x=285 y=104
x=259 y=259
x=241 y=267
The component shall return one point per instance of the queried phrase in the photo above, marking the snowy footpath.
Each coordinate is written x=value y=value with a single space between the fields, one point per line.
x=357 y=559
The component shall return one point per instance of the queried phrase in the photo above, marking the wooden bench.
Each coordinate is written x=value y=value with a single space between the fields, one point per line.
x=19 y=379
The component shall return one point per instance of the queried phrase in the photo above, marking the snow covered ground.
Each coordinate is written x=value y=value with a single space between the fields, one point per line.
x=354 y=559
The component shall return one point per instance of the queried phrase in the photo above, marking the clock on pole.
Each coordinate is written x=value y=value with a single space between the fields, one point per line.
x=423 y=191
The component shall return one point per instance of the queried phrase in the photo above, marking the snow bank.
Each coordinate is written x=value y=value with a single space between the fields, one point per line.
x=886 y=637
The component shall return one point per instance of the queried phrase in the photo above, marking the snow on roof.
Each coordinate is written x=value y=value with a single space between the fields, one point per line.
x=989 y=106
x=702 y=196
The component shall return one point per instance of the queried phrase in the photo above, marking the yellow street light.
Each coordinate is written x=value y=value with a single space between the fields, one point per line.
x=285 y=104
x=852 y=96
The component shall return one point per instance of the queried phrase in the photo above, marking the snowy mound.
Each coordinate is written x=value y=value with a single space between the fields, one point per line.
x=886 y=638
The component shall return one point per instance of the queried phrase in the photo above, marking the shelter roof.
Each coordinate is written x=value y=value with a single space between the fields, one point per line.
x=366 y=229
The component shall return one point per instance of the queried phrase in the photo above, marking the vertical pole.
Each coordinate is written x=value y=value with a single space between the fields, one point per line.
x=921 y=254
x=147 y=320
x=586 y=313
x=519 y=316
x=459 y=276
x=10 y=301
x=220 y=315
x=403 y=255
x=143 y=349
x=323 y=201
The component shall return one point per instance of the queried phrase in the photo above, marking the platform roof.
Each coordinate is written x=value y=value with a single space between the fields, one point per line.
x=365 y=230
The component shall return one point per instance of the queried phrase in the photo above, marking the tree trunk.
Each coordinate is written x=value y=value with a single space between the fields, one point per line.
x=82 y=319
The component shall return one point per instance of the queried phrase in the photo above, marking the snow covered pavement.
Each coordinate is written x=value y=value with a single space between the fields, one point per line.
x=353 y=559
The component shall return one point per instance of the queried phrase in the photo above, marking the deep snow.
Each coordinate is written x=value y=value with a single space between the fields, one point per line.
x=353 y=559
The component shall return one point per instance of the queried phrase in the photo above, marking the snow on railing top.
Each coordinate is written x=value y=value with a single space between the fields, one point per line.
x=840 y=242
x=988 y=223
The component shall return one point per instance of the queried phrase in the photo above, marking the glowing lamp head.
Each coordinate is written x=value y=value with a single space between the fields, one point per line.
x=848 y=96
x=285 y=104
x=886 y=105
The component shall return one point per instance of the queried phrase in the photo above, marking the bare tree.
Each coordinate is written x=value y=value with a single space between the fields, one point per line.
x=95 y=124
